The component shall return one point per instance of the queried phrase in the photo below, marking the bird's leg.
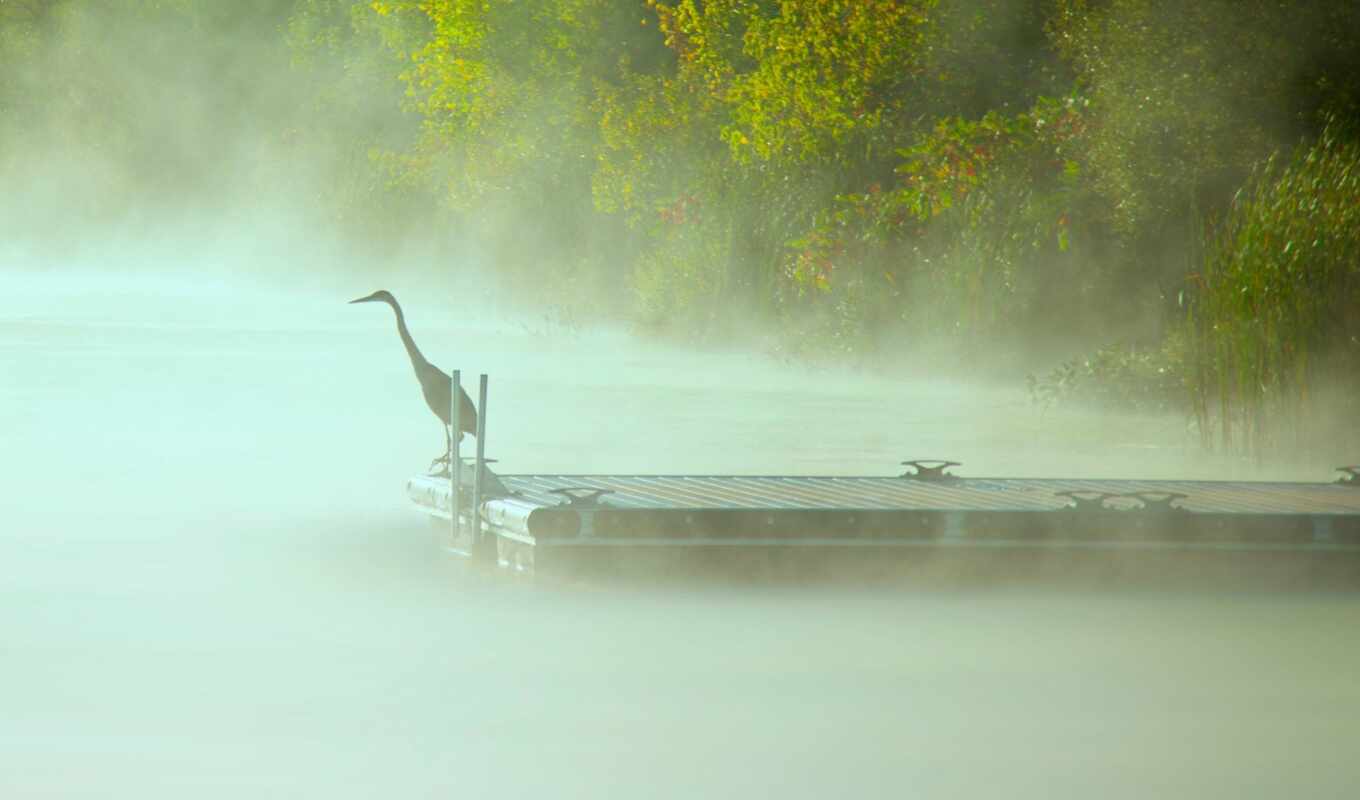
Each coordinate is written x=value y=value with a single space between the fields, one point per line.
x=443 y=459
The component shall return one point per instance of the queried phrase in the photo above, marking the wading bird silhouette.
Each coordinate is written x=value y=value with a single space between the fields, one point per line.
x=434 y=382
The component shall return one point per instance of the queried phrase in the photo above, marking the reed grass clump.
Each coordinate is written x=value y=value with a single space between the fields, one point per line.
x=1276 y=319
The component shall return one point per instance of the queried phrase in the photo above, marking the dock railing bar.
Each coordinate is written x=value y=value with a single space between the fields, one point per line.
x=455 y=457
x=481 y=543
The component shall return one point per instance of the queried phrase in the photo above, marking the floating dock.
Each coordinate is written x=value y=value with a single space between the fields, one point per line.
x=924 y=518
x=591 y=524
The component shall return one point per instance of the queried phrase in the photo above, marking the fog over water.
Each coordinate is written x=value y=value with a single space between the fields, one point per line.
x=211 y=584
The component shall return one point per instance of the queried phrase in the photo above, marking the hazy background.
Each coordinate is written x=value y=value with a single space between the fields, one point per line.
x=211 y=584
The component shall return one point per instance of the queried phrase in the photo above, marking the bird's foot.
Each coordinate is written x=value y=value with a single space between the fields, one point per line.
x=444 y=471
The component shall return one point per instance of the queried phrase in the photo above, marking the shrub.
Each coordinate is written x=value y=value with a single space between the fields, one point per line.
x=1123 y=378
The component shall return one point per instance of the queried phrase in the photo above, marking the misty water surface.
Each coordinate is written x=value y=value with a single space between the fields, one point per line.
x=211 y=586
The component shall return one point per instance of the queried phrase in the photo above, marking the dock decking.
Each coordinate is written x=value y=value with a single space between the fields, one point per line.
x=536 y=523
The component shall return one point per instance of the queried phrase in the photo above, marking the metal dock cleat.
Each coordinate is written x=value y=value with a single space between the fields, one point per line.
x=930 y=469
x=582 y=496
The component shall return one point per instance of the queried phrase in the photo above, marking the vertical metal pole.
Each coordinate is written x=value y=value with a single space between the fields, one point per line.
x=477 y=543
x=455 y=458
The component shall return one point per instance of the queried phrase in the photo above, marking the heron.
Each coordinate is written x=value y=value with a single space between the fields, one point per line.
x=434 y=382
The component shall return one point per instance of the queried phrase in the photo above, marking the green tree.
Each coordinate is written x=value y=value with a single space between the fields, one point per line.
x=1189 y=96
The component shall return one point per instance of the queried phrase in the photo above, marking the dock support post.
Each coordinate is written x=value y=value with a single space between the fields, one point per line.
x=455 y=456
x=482 y=546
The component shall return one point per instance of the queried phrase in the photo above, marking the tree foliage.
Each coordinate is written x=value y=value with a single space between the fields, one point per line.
x=863 y=173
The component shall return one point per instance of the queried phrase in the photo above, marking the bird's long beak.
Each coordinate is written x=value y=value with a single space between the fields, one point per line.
x=368 y=299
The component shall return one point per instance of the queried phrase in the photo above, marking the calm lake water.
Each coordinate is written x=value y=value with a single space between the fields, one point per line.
x=211 y=585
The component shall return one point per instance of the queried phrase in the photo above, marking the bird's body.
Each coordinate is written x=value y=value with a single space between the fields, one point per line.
x=435 y=384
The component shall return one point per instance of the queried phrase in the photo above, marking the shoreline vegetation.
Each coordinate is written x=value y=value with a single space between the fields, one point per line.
x=1155 y=205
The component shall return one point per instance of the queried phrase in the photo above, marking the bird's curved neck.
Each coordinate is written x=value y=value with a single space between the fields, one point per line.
x=411 y=350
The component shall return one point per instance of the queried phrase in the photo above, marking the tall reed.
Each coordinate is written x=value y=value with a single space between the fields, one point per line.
x=1278 y=298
